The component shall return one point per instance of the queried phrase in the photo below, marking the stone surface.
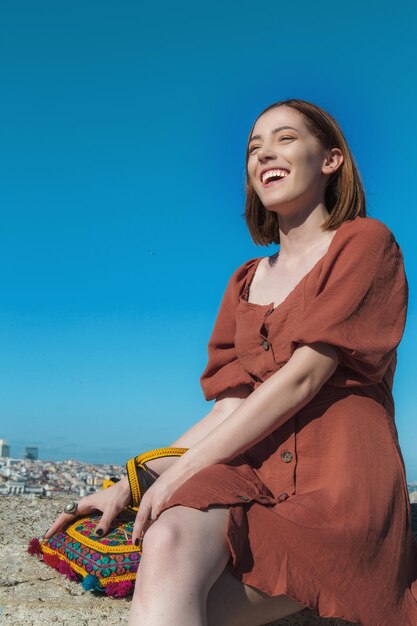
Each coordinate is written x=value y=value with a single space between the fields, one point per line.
x=31 y=593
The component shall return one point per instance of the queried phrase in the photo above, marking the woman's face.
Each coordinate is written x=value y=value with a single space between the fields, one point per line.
x=280 y=141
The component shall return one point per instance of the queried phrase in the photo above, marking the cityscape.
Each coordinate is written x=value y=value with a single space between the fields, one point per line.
x=30 y=475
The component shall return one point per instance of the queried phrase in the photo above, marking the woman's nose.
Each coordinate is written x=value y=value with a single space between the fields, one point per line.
x=265 y=152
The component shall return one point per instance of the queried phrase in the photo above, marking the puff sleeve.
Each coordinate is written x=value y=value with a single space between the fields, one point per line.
x=359 y=305
x=223 y=369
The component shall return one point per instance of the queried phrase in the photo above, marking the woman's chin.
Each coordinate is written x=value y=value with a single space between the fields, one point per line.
x=275 y=205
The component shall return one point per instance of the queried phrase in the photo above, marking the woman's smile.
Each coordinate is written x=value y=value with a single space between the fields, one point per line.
x=271 y=181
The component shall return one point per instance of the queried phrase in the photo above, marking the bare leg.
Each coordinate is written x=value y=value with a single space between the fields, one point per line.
x=184 y=553
x=232 y=603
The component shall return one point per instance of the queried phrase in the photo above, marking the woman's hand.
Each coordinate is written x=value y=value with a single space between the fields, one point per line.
x=109 y=501
x=157 y=496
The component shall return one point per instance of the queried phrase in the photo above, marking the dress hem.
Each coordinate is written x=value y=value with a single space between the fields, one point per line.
x=245 y=578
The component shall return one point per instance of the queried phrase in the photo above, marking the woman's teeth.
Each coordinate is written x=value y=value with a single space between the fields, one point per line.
x=273 y=176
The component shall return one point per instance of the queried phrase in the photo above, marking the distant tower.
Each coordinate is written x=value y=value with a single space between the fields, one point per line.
x=31 y=453
x=4 y=448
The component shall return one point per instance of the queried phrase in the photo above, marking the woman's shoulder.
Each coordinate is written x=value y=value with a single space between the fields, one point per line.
x=241 y=275
x=241 y=272
x=366 y=231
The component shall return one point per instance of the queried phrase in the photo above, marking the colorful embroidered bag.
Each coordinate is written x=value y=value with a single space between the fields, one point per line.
x=106 y=564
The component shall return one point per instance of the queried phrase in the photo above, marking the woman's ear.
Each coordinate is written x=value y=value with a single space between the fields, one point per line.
x=332 y=162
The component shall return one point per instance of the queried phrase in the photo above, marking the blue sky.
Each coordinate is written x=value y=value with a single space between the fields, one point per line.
x=123 y=134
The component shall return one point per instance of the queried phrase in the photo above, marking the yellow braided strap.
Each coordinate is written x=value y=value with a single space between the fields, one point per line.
x=157 y=454
x=107 y=483
x=133 y=483
x=139 y=461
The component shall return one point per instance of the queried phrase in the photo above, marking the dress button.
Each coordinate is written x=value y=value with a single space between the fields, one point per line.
x=243 y=497
x=282 y=496
x=265 y=344
x=286 y=456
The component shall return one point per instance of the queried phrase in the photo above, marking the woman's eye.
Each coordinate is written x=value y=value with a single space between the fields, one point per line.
x=283 y=137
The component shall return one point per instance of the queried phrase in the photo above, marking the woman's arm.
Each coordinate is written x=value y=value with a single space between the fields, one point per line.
x=242 y=417
x=263 y=411
x=113 y=499
x=225 y=404
x=266 y=408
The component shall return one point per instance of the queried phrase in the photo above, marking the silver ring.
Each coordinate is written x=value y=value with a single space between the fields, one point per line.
x=71 y=508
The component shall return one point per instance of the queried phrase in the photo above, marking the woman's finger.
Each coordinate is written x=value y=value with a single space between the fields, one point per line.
x=64 y=519
x=103 y=524
x=59 y=523
x=142 y=522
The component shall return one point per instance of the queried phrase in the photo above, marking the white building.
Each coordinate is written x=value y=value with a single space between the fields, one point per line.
x=4 y=448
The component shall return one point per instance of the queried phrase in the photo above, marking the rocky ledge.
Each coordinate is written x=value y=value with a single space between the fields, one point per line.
x=31 y=593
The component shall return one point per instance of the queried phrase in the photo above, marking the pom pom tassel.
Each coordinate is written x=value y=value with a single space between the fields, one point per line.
x=51 y=559
x=91 y=583
x=34 y=547
x=66 y=570
x=121 y=589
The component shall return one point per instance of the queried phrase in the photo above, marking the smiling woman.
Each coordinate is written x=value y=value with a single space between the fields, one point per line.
x=312 y=130
x=291 y=491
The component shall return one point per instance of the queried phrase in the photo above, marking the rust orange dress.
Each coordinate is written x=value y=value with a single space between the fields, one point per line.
x=319 y=509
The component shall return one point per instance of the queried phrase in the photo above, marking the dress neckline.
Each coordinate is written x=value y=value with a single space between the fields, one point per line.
x=252 y=272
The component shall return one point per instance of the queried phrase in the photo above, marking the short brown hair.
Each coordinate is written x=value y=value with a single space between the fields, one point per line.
x=344 y=195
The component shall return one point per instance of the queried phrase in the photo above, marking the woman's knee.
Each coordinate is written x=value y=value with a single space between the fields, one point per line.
x=176 y=528
x=164 y=534
x=182 y=531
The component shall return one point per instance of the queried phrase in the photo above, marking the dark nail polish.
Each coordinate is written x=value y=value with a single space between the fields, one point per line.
x=99 y=532
x=136 y=542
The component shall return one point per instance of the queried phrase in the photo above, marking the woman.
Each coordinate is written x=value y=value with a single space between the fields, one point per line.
x=292 y=493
